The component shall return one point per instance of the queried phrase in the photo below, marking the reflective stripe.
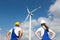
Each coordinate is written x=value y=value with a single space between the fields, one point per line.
x=14 y=36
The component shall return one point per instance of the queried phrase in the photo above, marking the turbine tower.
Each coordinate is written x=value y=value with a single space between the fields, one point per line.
x=30 y=16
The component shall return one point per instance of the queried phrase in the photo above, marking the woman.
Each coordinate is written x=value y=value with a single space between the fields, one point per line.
x=44 y=30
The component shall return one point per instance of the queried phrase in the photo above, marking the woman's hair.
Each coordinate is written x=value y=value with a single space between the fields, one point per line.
x=45 y=26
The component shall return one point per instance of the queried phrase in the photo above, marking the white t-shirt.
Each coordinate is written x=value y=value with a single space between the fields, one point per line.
x=17 y=29
x=42 y=30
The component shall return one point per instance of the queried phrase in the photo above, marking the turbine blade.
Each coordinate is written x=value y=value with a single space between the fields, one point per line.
x=26 y=18
x=35 y=9
x=28 y=10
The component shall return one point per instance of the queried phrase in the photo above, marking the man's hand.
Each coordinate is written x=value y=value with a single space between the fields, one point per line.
x=18 y=38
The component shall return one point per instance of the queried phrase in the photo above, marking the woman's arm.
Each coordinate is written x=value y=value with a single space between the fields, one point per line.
x=53 y=33
x=37 y=35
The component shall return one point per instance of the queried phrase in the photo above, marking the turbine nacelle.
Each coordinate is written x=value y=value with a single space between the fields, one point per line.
x=30 y=14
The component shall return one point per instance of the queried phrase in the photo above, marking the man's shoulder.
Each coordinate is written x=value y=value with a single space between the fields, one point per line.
x=19 y=28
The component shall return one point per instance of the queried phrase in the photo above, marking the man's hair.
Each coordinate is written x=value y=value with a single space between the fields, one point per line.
x=17 y=25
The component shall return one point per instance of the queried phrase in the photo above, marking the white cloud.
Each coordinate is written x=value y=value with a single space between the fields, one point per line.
x=34 y=22
x=55 y=24
x=0 y=29
x=55 y=9
x=3 y=37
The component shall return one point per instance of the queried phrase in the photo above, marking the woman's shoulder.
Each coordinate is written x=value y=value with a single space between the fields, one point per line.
x=50 y=30
x=40 y=28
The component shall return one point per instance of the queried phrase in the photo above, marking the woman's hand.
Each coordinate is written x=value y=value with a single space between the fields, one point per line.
x=51 y=39
x=40 y=38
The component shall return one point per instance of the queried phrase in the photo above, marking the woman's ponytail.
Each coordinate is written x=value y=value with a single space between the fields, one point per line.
x=46 y=27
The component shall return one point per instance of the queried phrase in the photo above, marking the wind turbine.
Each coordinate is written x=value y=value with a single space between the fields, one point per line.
x=29 y=16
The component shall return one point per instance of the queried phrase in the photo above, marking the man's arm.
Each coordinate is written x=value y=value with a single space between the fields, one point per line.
x=8 y=35
x=21 y=33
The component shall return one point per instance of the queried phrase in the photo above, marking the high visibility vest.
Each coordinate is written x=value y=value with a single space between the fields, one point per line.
x=45 y=36
x=14 y=36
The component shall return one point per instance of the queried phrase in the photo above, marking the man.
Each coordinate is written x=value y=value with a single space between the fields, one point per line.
x=16 y=32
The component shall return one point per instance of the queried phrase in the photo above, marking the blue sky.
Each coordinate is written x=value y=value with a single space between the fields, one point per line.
x=15 y=10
